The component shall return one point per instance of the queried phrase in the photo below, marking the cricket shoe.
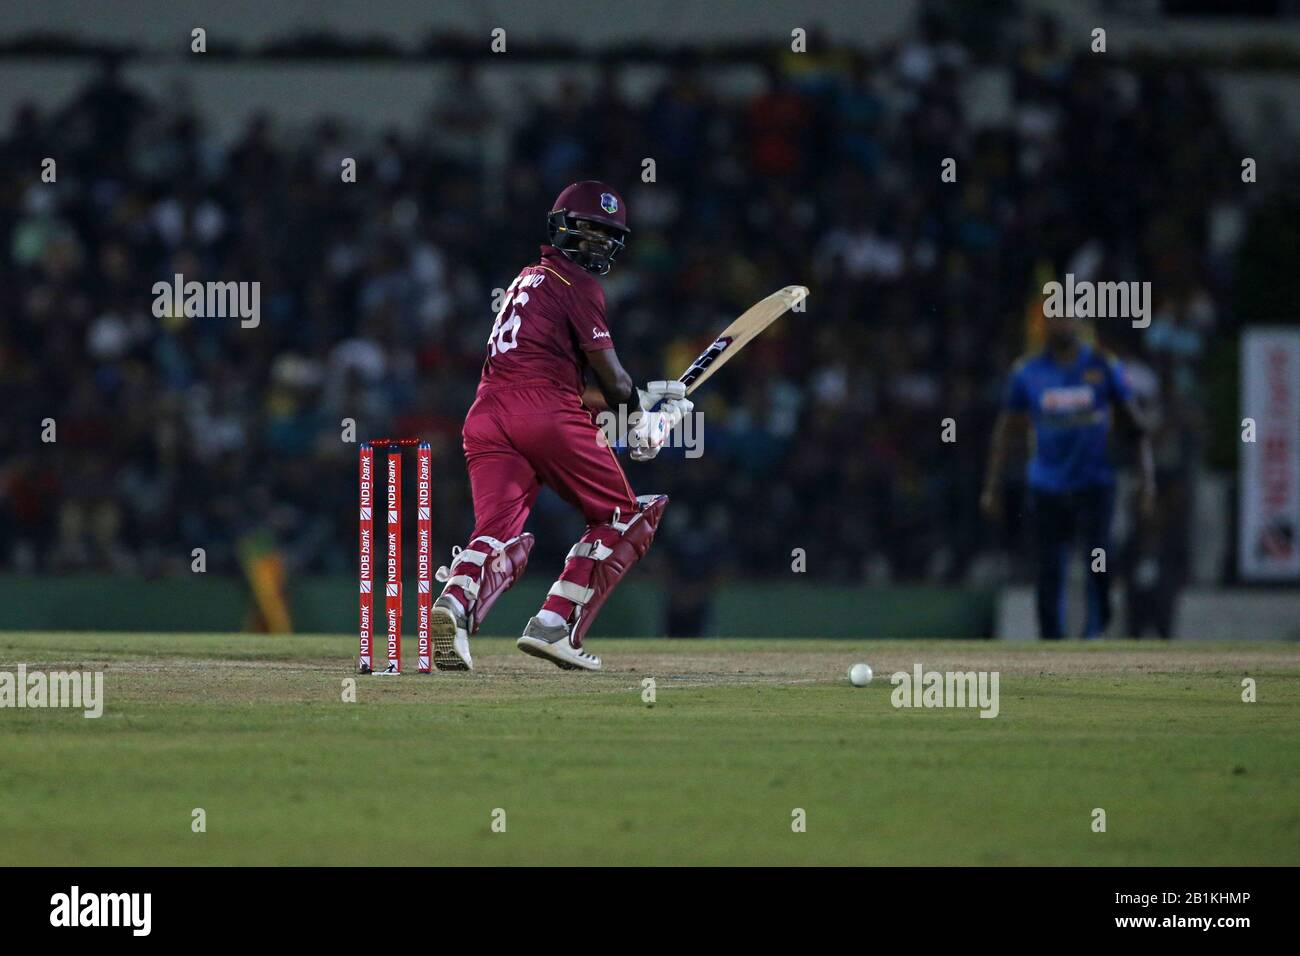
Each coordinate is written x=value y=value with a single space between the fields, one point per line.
x=552 y=643
x=450 y=637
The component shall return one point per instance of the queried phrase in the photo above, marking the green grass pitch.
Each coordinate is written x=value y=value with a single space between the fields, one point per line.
x=255 y=731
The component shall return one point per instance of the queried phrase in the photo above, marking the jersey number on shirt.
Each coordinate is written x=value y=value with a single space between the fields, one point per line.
x=505 y=330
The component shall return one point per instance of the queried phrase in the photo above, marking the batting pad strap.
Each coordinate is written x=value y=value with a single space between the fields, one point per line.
x=498 y=575
x=596 y=550
x=465 y=583
x=496 y=544
x=644 y=502
x=570 y=592
x=627 y=550
x=470 y=556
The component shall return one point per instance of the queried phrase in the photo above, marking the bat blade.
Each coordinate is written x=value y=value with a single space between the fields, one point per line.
x=734 y=337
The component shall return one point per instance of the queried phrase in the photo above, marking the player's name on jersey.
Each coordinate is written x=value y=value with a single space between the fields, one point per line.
x=1085 y=299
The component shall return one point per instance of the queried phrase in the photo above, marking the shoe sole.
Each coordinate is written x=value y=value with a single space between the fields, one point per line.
x=442 y=632
x=536 y=647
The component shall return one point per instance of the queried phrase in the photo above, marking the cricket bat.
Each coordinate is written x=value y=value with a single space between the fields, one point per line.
x=734 y=337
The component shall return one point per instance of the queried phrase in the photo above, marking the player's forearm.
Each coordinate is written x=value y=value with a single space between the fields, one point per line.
x=612 y=379
x=619 y=392
x=997 y=452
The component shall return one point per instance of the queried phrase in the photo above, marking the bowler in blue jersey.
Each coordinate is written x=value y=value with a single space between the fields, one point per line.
x=1070 y=393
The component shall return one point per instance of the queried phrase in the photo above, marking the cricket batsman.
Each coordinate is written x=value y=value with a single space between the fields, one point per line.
x=1069 y=393
x=529 y=427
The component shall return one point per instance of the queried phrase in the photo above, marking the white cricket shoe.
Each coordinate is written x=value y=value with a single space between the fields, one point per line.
x=450 y=637
x=552 y=643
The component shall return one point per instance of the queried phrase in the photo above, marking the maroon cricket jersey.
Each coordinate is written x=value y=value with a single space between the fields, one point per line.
x=552 y=314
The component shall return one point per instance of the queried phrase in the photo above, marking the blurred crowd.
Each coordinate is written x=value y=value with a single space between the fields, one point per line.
x=376 y=298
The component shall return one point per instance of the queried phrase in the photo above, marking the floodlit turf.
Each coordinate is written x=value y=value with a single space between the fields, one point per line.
x=254 y=731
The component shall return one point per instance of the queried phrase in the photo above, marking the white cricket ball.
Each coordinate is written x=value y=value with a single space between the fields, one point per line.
x=860 y=675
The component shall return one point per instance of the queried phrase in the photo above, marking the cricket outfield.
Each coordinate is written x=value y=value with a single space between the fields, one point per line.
x=255 y=732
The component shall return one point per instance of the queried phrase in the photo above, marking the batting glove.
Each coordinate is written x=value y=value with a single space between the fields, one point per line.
x=655 y=392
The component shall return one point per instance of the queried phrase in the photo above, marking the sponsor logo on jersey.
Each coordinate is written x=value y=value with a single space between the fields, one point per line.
x=598 y=334
x=1073 y=398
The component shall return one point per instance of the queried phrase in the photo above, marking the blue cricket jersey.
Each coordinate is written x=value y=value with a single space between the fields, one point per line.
x=1070 y=407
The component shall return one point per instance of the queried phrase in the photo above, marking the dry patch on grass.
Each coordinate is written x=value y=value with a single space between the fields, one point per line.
x=686 y=664
x=756 y=666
